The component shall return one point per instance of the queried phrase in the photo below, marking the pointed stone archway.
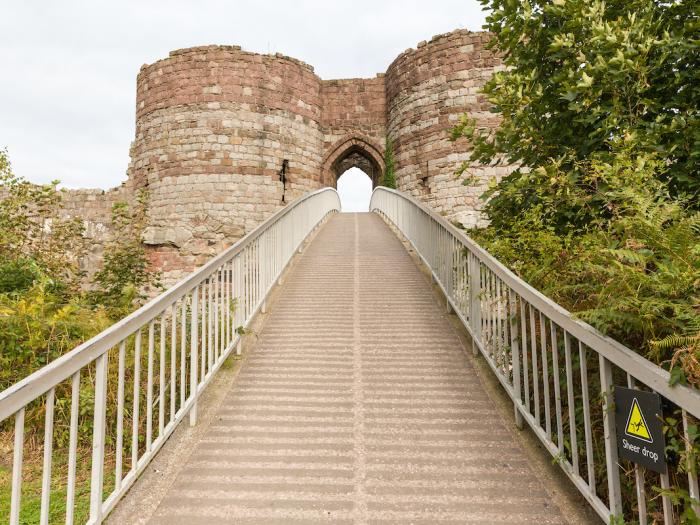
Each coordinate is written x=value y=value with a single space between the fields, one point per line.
x=353 y=151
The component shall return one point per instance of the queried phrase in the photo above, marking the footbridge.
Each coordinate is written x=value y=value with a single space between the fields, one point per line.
x=357 y=400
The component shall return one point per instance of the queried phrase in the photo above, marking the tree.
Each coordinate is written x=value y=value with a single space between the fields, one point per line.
x=584 y=80
x=35 y=239
x=389 y=165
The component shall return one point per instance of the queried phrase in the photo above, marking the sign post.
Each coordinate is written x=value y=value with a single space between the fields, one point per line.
x=640 y=435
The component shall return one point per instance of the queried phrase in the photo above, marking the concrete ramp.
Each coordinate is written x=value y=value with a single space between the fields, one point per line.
x=357 y=405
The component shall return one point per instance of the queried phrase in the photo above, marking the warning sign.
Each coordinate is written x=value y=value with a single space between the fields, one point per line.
x=636 y=424
x=639 y=432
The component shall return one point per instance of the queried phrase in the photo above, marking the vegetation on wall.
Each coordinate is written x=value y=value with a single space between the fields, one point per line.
x=389 y=165
x=126 y=276
x=599 y=109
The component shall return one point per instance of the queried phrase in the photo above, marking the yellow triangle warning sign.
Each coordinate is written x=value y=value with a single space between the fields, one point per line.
x=637 y=425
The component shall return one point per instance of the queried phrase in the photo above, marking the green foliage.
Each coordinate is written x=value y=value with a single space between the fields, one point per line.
x=30 y=511
x=44 y=311
x=634 y=276
x=599 y=113
x=599 y=109
x=126 y=274
x=17 y=274
x=34 y=237
x=584 y=80
x=37 y=327
x=389 y=164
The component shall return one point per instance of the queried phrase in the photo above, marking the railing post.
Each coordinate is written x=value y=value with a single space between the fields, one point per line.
x=98 y=439
x=194 y=334
x=610 y=435
x=474 y=301
x=515 y=355
x=17 y=456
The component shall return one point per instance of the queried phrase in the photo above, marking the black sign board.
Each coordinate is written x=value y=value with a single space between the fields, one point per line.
x=640 y=437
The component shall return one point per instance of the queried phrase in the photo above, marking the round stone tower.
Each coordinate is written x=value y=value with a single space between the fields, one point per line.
x=427 y=90
x=214 y=126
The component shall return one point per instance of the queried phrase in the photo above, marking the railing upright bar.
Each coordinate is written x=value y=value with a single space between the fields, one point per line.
x=194 y=339
x=545 y=377
x=474 y=300
x=149 y=386
x=183 y=353
x=73 y=446
x=173 y=356
x=523 y=329
x=17 y=456
x=515 y=356
x=48 y=456
x=639 y=477
x=208 y=363
x=666 y=500
x=161 y=377
x=137 y=395
x=119 y=453
x=495 y=321
x=610 y=437
x=583 y=366
x=227 y=303
x=571 y=402
x=98 y=440
x=205 y=341
x=535 y=368
x=692 y=467
x=214 y=357
x=557 y=388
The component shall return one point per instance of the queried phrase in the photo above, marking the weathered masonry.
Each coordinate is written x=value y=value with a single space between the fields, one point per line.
x=216 y=126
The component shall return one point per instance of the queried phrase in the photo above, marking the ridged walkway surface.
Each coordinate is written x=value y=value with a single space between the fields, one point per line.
x=357 y=405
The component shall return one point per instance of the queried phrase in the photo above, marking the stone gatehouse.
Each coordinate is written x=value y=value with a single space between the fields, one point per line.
x=215 y=125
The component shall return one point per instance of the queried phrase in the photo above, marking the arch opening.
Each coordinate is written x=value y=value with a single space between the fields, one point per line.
x=353 y=152
x=355 y=190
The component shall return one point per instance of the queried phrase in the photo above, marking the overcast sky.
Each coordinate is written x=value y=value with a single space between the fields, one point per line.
x=68 y=69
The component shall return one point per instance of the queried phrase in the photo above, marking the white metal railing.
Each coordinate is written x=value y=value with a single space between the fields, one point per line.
x=124 y=416
x=546 y=360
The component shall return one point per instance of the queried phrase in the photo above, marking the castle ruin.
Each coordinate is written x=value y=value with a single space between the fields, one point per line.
x=215 y=125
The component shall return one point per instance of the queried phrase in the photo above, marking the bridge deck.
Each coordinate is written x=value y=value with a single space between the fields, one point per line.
x=357 y=405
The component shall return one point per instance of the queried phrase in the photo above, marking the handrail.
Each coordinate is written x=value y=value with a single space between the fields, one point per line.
x=199 y=322
x=507 y=320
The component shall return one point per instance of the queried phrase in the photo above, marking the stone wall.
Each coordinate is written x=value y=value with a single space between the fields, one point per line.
x=214 y=125
x=95 y=208
x=353 y=109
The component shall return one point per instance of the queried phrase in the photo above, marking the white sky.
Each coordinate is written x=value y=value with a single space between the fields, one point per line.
x=68 y=69
x=355 y=189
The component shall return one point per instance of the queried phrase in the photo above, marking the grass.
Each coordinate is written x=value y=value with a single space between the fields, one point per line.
x=30 y=511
